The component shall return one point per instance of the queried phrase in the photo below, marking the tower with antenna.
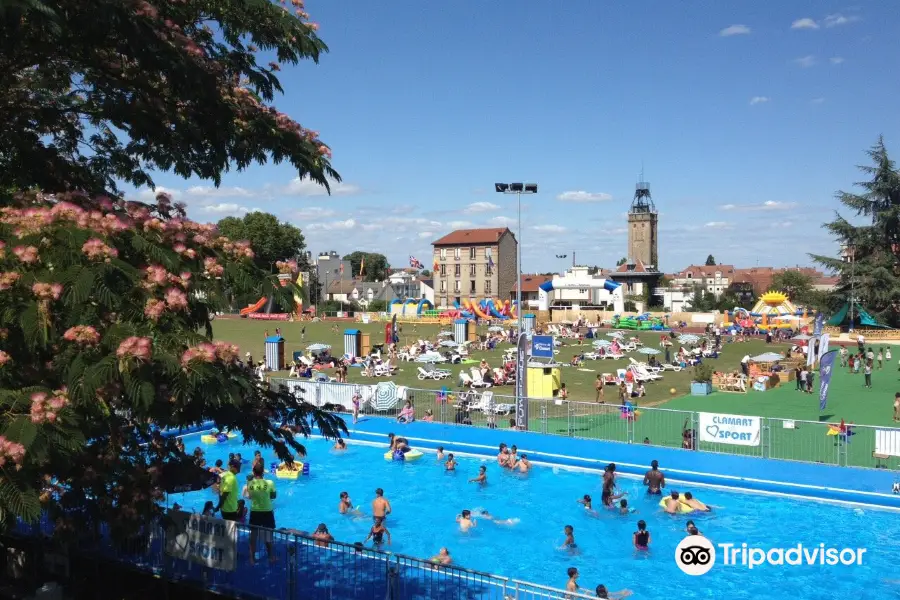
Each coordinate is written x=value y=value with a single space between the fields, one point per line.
x=643 y=227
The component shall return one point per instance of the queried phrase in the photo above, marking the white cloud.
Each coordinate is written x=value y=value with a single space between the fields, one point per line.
x=226 y=208
x=480 y=207
x=758 y=100
x=717 y=225
x=459 y=224
x=805 y=23
x=333 y=225
x=805 y=61
x=502 y=221
x=425 y=234
x=550 y=228
x=782 y=224
x=202 y=191
x=313 y=213
x=767 y=205
x=836 y=60
x=839 y=19
x=306 y=187
x=582 y=196
x=734 y=30
x=817 y=100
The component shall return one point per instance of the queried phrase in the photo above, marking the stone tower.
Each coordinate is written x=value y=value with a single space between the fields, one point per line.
x=643 y=228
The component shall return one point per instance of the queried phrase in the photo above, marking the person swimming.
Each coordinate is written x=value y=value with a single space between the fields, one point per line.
x=569 y=543
x=442 y=557
x=691 y=529
x=345 y=505
x=585 y=501
x=440 y=453
x=501 y=455
x=609 y=474
x=465 y=520
x=623 y=507
x=693 y=503
x=608 y=497
x=654 y=479
x=450 y=463
x=482 y=476
x=605 y=594
x=483 y=514
x=641 y=537
x=340 y=444
x=378 y=532
x=524 y=464
x=672 y=503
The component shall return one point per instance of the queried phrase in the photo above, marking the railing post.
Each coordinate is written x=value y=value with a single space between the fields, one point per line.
x=543 y=416
x=569 y=426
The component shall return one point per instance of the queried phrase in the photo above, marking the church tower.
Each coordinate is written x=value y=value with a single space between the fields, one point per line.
x=643 y=227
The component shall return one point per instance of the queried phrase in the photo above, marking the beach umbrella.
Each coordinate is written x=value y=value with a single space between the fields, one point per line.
x=495 y=328
x=430 y=357
x=386 y=395
x=445 y=334
x=688 y=338
x=648 y=351
x=318 y=347
x=768 y=357
x=601 y=343
x=449 y=344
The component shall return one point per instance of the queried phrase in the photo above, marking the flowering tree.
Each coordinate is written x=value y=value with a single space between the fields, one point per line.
x=97 y=92
x=104 y=333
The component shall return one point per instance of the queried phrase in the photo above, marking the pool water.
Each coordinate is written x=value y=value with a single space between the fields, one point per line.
x=426 y=500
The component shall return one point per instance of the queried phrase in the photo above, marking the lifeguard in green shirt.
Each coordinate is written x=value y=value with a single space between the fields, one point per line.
x=228 y=492
x=262 y=515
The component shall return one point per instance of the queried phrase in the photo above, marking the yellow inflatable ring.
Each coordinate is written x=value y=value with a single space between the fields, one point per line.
x=411 y=455
x=208 y=438
x=682 y=507
x=282 y=473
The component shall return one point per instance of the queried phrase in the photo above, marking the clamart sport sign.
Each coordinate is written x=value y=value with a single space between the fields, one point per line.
x=736 y=430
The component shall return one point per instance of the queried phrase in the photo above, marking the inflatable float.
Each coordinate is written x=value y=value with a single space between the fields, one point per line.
x=411 y=455
x=682 y=507
x=217 y=438
x=282 y=472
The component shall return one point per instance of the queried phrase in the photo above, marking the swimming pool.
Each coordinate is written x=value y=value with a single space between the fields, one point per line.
x=426 y=501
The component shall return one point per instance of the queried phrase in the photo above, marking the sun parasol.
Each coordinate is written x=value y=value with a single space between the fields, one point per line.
x=386 y=396
x=648 y=351
x=601 y=343
x=688 y=338
x=495 y=328
x=318 y=347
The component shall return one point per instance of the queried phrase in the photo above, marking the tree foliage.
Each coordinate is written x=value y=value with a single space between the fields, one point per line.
x=104 y=330
x=98 y=92
x=872 y=242
x=272 y=240
x=621 y=261
x=710 y=261
x=375 y=267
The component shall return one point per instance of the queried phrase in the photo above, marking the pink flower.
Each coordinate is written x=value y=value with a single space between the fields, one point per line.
x=11 y=452
x=325 y=151
x=47 y=291
x=179 y=248
x=84 y=335
x=226 y=352
x=26 y=254
x=156 y=275
x=4 y=358
x=8 y=279
x=176 y=299
x=154 y=309
x=96 y=249
x=205 y=353
x=45 y=407
x=135 y=347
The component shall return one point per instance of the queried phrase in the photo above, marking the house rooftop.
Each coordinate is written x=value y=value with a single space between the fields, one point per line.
x=463 y=237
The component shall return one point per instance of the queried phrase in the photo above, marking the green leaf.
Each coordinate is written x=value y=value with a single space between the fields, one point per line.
x=21 y=501
x=20 y=429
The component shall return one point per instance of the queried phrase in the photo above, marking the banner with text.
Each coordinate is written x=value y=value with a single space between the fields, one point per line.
x=826 y=365
x=736 y=430
x=542 y=346
x=203 y=540
x=522 y=382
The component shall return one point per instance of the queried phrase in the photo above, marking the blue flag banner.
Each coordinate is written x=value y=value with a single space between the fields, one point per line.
x=542 y=346
x=820 y=324
x=825 y=368
x=522 y=382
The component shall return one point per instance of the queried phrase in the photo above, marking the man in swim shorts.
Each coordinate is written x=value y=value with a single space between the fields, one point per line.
x=695 y=504
x=654 y=479
x=381 y=507
x=673 y=503
x=228 y=492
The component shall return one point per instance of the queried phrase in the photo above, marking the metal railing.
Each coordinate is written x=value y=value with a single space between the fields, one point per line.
x=303 y=568
x=785 y=439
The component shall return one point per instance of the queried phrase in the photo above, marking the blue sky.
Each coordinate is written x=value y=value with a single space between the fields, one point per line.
x=746 y=117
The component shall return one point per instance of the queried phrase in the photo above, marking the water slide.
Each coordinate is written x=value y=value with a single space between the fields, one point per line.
x=614 y=288
x=254 y=307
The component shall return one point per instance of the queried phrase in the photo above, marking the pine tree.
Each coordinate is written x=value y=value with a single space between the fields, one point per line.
x=871 y=271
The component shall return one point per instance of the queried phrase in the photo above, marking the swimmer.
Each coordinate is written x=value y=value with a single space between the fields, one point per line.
x=322 y=536
x=440 y=453
x=608 y=497
x=381 y=507
x=393 y=442
x=442 y=557
x=569 y=544
x=691 y=529
x=345 y=505
x=488 y=517
x=513 y=457
x=623 y=508
x=257 y=458
x=340 y=444
x=450 y=465
x=217 y=469
x=641 y=537
x=524 y=464
x=609 y=475
x=586 y=502
x=501 y=455
x=603 y=593
x=572 y=584
x=465 y=520
x=482 y=476
x=654 y=479
x=242 y=511
x=695 y=504
x=672 y=503
x=378 y=532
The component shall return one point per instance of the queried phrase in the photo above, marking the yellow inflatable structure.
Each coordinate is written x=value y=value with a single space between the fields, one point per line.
x=682 y=507
x=411 y=455
x=283 y=472
x=213 y=438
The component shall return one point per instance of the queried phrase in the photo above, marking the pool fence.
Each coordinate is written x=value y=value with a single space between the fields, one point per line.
x=785 y=439
x=305 y=569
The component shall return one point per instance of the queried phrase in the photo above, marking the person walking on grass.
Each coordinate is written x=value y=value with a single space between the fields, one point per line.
x=801 y=378
x=880 y=357
x=867 y=371
x=810 y=380
x=598 y=386
x=897 y=407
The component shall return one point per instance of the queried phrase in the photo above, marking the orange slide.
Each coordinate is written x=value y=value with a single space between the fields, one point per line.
x=254 y=307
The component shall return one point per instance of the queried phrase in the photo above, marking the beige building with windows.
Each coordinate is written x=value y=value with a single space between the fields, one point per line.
x=474 y=264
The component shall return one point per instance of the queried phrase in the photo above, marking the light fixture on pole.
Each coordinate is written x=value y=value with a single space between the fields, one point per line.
x=521 y=360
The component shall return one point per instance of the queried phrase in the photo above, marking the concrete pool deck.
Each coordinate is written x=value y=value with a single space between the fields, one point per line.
x=807 y=480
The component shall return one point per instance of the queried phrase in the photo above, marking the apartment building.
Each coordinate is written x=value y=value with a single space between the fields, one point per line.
x=715 y=279
x=474 y=264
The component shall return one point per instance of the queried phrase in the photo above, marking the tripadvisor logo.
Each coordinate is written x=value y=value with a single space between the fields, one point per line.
x=696 y=555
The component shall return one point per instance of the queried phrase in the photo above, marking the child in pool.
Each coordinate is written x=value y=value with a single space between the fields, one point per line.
x=586 y=502
x=378 y=532
x=440 y=453
x=465 y=520
x=691 y=529
x=345 y=505
x=623 y=507
x=242 y=511
x=641 y=537
x=443 y=557
x=569 y=544
x=489 y=517
x=450 y=465
x=340 y=444
x=482 y=476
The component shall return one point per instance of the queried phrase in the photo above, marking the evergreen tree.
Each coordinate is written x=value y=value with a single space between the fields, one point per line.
x=871 y=273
